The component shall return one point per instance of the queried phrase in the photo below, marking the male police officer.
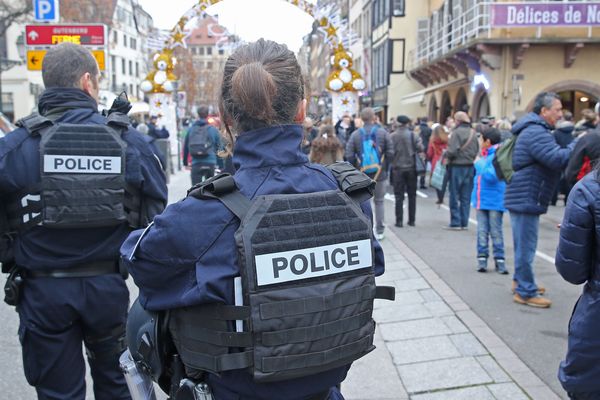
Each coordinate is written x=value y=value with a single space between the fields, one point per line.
x=74 y=184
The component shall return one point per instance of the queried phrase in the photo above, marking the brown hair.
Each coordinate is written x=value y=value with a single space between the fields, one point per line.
x=323 y=144
x=262 y=86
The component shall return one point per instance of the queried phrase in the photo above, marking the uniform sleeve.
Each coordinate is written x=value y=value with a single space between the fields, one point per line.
x=545 y=150
x=172 y=261
x=377 y=249
x=576 y=246
x=186 y=143
x=154 y=184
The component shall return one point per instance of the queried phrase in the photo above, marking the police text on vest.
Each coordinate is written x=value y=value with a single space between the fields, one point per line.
x=312 y=262
x=70 y=164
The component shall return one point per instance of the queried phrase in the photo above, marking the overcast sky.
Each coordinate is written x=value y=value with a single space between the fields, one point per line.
x=250 y=19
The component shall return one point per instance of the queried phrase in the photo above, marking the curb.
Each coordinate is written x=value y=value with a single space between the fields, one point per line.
x=521 y=374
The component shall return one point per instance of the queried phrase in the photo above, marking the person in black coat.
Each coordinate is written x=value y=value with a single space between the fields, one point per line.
x=563 y=136
x=425 y=134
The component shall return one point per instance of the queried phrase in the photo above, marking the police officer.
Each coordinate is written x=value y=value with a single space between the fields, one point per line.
x=262 y=103
x=74 y=184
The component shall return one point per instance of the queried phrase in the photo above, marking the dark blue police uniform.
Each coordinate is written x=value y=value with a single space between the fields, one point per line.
x=189 y=257
x=57 y=314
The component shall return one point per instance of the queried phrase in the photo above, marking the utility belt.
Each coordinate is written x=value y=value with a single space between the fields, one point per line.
x=17 y=275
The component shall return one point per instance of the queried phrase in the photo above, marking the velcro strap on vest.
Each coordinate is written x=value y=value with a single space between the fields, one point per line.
x=223 y=362
x=228 y=339
x=316 y=304
x=334 y=355
x=356 y=184
x=224 y=188
x=313 y=333
x=117 y=120
x=218 y=311
x=385 y=293
x=33 y=123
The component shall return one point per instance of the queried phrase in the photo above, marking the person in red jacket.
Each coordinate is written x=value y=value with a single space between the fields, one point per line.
x=437 y=145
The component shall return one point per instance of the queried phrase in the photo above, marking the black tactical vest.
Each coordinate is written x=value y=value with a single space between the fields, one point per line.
x=306 y=263
x=82 y=170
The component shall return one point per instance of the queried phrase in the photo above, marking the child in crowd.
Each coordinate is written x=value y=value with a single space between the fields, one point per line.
x=488 y=199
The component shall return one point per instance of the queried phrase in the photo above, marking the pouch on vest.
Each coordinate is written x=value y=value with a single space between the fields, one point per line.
x=82 y=171
x=306 y=263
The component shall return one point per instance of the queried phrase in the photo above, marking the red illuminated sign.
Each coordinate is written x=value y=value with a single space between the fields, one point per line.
x=47 y=35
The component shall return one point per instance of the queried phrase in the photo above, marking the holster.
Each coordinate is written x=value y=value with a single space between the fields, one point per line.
x=13 y=285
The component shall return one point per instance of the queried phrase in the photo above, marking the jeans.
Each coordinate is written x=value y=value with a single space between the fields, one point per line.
x=461 y=186
x=378 y=199
x=201 y=172
x=489 y=224
x=584 y=396
x=405 y=181
x=525 y=236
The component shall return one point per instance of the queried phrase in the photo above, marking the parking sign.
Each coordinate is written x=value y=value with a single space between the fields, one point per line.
x=46 y=10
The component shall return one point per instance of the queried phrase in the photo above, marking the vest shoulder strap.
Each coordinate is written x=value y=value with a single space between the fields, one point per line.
x=117 y=120
x=33 y=123
x=223 y=188
x=356 y=184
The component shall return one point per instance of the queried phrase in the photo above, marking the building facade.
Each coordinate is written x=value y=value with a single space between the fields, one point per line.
x=493 y=58
x=208 y=59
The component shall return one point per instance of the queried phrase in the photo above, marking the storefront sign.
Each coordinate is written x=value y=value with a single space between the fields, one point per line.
x=545 y=14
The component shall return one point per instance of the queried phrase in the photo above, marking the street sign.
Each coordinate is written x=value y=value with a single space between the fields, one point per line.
x=35 y=58
x=46 y=10
x=48 y=35
x=41 y=38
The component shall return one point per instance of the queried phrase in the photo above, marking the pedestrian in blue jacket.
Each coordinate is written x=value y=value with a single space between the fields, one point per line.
x=488 y=199
x=578 y=262
x=537 y=163
x=263 y=104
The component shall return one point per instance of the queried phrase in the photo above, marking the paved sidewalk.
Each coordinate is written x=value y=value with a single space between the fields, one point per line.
x=432 y=346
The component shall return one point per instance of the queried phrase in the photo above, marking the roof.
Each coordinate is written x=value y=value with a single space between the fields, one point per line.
x=203 y=34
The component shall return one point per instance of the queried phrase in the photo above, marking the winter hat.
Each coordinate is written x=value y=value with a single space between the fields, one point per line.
x=403 y=119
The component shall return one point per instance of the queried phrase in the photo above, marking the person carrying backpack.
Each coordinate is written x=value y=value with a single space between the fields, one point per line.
x=202 y=143
x=370 y=149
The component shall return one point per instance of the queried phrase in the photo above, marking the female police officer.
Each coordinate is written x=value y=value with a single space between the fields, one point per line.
x=188 y=256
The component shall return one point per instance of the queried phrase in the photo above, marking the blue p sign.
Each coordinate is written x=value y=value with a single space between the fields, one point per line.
x=45 y=10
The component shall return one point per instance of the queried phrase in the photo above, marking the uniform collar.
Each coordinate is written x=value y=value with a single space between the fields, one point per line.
x=265 y=147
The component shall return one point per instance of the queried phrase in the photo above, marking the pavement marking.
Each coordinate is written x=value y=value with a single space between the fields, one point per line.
x=541 y=255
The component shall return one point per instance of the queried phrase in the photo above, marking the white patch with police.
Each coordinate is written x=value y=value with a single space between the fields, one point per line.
x=68 y=164
x=312 y=262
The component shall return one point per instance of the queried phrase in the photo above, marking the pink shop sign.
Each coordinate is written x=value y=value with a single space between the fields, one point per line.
x=545 y=14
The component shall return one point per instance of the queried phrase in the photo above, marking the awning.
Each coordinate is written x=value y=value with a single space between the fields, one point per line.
x=417 y=97
x=139 y=107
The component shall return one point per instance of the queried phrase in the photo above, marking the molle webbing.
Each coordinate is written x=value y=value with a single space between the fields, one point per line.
x=83 y=176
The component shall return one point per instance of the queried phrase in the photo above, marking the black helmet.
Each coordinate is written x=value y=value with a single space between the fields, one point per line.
x=148 y=341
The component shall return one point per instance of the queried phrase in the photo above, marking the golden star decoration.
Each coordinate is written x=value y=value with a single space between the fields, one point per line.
x=158 y=103
x=345 y=101
x=178 y=36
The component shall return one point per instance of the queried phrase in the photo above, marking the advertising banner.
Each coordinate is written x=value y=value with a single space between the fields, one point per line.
x=525 y=14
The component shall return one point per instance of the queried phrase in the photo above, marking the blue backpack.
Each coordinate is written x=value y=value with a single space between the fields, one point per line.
x=370 y=161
